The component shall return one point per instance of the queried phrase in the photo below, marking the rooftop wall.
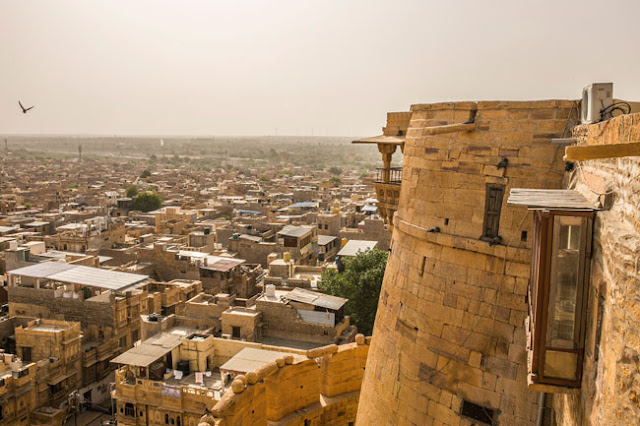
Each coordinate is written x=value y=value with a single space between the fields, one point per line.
x=295 y=391
x=42 y=303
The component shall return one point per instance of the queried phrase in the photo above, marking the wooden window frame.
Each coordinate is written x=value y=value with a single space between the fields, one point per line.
x=129 y=410
x=491 y=187
x=539 y=294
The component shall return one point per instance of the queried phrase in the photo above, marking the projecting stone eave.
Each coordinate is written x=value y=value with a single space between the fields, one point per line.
x=497 y=104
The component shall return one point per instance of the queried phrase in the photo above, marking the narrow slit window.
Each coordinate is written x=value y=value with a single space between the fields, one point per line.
x=478 y=412
x=422 y=264
x=492 y=208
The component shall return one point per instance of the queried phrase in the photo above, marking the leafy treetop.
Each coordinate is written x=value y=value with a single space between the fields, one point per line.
x=360 y=281
x=147 y=201
x=132 y=191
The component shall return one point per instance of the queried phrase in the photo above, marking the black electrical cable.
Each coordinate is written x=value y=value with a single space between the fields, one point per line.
x=607 y=112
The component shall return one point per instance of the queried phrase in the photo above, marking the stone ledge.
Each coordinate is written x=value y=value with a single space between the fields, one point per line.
x=450 y=128
x=455 y=241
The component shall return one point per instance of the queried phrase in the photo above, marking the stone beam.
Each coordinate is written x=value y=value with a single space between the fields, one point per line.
x=450 y=128
x=593 y=152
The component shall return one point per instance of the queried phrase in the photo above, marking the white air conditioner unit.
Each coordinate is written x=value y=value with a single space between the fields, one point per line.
x=595 y=97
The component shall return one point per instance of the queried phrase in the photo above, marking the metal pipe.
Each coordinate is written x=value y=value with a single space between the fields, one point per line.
x=542 y=401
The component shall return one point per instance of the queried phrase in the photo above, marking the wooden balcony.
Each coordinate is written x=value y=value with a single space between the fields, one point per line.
x=387 y=185
x=391 y=175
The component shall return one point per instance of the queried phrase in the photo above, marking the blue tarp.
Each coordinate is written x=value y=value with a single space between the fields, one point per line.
x=248 y=211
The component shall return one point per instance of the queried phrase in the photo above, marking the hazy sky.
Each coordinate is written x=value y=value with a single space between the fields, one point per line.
x=249 y=67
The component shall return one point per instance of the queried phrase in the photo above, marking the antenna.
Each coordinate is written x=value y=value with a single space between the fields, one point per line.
x=80 y=152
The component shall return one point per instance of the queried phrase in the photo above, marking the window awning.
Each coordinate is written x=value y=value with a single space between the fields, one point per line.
x=149 y=351
x=559 y=199
x=382 y=139
x=60 y=378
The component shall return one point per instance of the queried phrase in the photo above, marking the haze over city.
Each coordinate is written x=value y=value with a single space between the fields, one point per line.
x=319 y=213
x=294 y=67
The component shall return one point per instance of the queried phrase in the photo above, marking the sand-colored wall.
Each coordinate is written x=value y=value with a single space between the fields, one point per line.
x=610 y=392
x=449 y=325
x=297 y=390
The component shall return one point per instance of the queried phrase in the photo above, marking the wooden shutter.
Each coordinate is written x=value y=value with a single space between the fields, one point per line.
x=493 y=204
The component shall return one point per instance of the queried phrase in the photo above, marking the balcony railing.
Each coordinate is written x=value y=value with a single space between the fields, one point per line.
x=389 y=175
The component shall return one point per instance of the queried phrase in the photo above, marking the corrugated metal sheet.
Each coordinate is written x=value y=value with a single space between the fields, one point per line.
x=149 y=351
x=83 y=275
x=316 y=299
x=323 y=240
x=96 y=277
x=315 y=317
x=41 y=270
x=353 y=247
x=565 y=199
x=249 y=359
x=222 y=264
x=295 y=231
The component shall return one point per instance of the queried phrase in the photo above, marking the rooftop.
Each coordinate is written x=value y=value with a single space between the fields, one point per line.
x=353 y=247
x=316 y=299
x=150 y=350
x=304 y=204
x=323 y=240
x=295 y=231
x=82 y=275
x=250 y=359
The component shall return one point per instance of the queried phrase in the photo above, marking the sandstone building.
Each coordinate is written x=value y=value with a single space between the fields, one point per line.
x=36 y=383
x=607 y=165
x=450 y=345
x=196 y=379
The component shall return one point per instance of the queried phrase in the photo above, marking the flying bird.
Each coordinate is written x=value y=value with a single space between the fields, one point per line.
x=24 y=110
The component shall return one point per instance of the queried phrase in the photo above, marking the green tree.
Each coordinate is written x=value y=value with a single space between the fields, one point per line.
x=132 y=191
x=145 y=174
x=335 y=170
x=147 y=201
x=360 y=281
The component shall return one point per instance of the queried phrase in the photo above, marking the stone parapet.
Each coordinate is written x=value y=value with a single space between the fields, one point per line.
x=319 y=388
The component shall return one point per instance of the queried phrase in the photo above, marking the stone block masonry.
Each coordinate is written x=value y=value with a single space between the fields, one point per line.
x=319 y=388
x=449 y=326
x=41 y=303
x=610 y=388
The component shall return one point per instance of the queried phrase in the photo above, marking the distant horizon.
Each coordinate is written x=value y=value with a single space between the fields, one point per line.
x=106 y=135
x=294 y=68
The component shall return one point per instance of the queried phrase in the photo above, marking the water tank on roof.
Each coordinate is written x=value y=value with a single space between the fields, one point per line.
x=286 y=256
x=344 y=242
x=13 y=244
x=235 y=236
x=207 y=231
x=270 y=290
